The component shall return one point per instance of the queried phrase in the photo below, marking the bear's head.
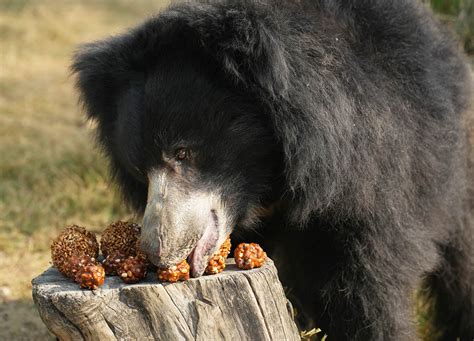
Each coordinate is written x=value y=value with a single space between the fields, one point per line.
x=189 y=142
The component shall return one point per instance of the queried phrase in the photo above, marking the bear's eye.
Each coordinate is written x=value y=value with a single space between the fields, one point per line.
x=182 y=154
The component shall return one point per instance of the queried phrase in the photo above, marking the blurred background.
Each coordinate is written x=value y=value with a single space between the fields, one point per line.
x=51 y=174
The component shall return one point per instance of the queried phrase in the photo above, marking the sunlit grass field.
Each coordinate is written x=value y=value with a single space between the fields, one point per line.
x=50 y=172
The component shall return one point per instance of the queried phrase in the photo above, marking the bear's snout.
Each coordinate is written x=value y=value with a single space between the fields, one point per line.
x=179 y=223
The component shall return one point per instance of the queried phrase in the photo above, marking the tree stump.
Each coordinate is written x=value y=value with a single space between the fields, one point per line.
x=232 y=305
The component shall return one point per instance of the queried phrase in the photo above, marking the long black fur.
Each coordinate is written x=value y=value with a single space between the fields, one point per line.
x=354 y=113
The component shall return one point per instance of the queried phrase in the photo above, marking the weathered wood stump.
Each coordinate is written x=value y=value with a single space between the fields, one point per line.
x=233 y=305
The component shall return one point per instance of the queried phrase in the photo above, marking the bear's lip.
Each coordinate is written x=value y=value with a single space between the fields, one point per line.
x=199 y=256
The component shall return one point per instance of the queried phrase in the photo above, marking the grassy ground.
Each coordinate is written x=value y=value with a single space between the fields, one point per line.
x=50 y=174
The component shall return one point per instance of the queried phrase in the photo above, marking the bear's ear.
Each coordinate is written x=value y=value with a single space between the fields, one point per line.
x=244 y=40
x=109 y=77
x=105 y=71
x=256 y=57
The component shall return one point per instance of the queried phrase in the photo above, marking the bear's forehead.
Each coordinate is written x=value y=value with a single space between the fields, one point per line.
x=181 y=101
x=181 y=90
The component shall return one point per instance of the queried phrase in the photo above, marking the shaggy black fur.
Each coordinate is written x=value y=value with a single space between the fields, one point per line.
x=348 y=114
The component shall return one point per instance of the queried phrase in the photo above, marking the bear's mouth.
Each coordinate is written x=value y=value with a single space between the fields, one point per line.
x=205 y=247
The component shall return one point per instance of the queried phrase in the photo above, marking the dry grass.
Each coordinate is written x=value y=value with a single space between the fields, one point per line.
x=50 y=173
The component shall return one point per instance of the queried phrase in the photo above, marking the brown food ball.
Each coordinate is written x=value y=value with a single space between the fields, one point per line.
x=76 y=263
x=120 y=236
x=112 y=261
x=249 y=255
x=225 y=248
x=91 y=276
x=132 y=269
x=175 y=273
x=216 y=264
x=72 y=241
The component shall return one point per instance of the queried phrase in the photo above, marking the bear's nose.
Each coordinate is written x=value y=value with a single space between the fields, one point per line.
x=151 y=243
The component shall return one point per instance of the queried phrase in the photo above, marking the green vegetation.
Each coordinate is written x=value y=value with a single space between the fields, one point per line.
x=465 y=25
x=450 y=7
x=459 y=14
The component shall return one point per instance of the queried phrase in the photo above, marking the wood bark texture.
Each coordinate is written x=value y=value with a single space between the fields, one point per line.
x=232 y=305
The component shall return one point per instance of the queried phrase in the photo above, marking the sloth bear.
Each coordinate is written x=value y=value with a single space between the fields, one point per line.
x=331 y=131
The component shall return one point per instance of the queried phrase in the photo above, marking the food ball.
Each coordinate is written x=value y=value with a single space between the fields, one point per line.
x=112 y=261
x=90 y=276
x=217 y=262
x=120 y=236
x=249 y=256
x=132 y=269
x=225 y=248
x=175 y=273
x=75 y=263
x=72 y=241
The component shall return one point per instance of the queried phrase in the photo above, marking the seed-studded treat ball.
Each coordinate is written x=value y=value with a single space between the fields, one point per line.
x=132 y=269
x=72 y=241
x=225 y=248
x=75 y=263
x=249 y=256
x=175 y=273
x=120 y=236
x=90 y=276
x=112 y=261
x=216 y=264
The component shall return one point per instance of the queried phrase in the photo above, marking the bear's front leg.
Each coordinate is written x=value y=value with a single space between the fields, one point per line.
x=354 y=284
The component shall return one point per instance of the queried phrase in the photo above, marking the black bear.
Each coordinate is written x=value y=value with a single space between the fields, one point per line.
x=331 y=131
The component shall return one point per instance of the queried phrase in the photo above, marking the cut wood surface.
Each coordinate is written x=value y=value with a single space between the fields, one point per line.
x=233 y=305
